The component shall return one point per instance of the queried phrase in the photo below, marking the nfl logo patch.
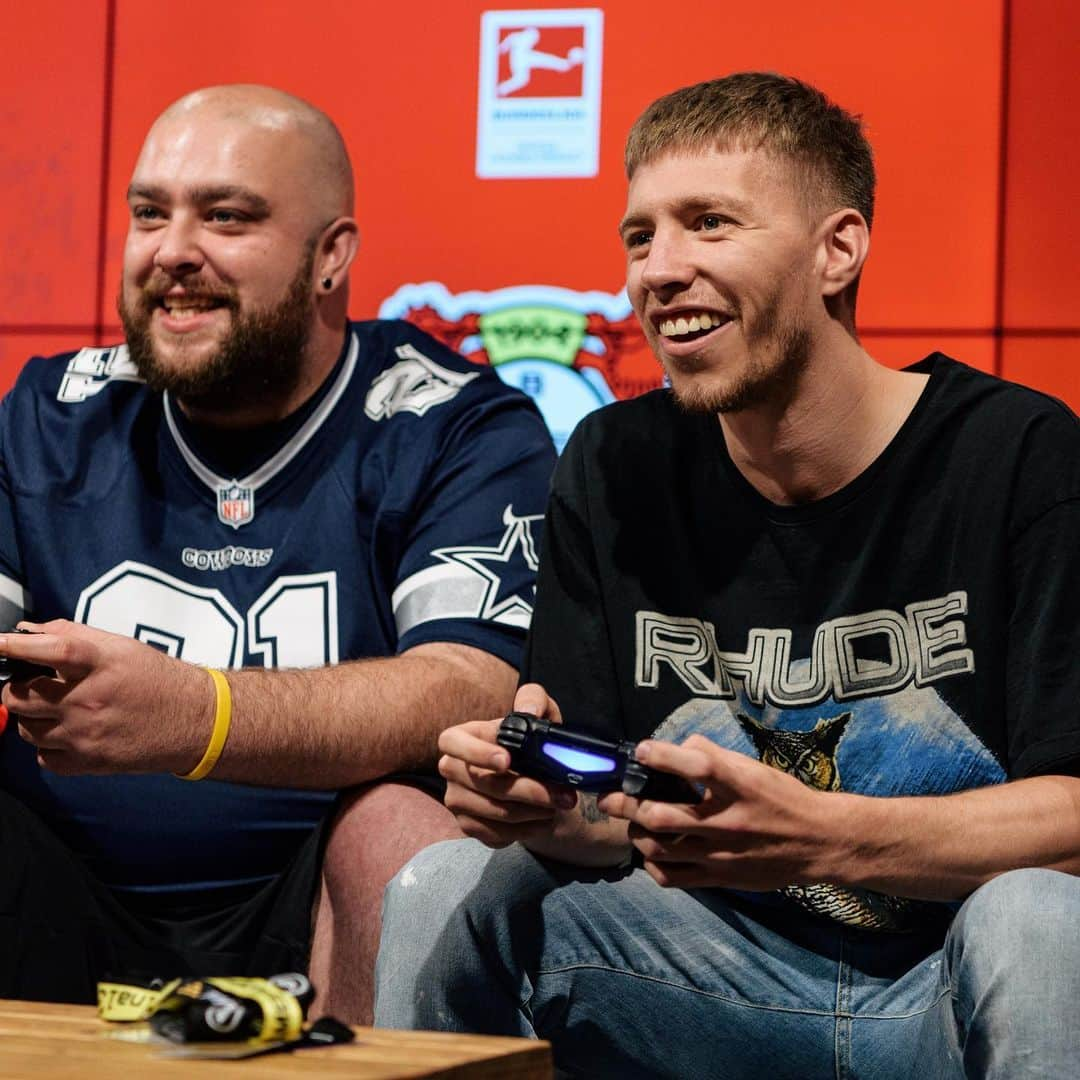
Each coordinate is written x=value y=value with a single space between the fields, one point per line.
x=235 y=505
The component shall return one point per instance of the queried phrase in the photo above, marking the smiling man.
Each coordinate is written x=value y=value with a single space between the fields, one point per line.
x=840 y=599
x=250 y=481
x=226 y=323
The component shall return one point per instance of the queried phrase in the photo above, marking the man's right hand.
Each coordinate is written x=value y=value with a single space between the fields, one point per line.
x=491 y=803
x=92 y=713
x=499 y=807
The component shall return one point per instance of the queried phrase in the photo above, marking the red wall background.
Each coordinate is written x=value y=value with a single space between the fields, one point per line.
x=972 y=106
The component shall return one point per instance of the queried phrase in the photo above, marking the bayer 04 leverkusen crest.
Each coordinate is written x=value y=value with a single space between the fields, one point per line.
x=570 y=351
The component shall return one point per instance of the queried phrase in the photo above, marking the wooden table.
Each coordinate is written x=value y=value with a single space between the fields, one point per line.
x=69 y=1041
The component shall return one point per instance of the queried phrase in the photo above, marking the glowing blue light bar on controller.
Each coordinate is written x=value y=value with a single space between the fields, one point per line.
x=579 y=760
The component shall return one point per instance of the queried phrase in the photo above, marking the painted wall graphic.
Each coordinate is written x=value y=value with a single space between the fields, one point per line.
x=488 y=143
x=572 y=352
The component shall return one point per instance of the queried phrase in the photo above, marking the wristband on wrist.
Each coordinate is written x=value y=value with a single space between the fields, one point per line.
x=222 y=720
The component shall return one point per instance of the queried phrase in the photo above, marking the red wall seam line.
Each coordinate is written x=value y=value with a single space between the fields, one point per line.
x=1002 y=194
x=106 y=151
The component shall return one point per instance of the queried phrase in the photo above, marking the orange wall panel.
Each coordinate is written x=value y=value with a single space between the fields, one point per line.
x=1050 y=364
x=52 y=84
x=16 y=349
x=1042 y=272
x=909 y=69
x=900 y=350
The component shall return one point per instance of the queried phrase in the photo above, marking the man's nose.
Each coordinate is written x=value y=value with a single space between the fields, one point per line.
x=178 y=251
x=668 y=266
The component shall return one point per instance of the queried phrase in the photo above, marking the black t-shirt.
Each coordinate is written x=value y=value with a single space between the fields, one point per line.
x=912 y=633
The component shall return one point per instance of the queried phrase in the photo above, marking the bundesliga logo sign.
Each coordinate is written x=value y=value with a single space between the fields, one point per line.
x=539 y=109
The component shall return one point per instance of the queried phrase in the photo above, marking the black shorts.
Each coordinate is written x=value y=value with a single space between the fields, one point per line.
x=61 y=930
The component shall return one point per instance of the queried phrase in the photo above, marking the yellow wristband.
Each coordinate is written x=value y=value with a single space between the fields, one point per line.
x=222 y=720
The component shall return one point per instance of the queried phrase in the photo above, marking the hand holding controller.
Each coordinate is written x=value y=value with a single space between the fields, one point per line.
x=20 y=670
x=547 y=751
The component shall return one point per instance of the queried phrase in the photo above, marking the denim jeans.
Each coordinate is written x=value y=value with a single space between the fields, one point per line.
x=627 y=979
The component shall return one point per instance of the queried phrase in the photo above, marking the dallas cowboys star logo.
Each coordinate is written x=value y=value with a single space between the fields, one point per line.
x=504 y=569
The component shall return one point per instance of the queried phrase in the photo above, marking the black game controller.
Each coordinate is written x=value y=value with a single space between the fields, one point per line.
x=21 y=670
x=549 y=751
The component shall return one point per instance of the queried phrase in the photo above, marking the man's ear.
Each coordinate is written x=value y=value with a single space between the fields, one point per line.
x=845 y=243
x=337 y=248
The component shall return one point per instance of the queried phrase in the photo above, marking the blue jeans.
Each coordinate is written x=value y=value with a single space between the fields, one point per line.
x=627 y=979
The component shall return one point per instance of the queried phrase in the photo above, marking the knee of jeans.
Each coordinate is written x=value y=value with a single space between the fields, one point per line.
x=433 y=883
x=1023 y=919
x=432 y=870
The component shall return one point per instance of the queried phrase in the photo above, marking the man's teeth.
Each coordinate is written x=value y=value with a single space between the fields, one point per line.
x=185 y=309
x=676 y=327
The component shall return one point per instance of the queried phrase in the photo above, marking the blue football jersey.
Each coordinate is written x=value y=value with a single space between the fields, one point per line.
x=405 y=508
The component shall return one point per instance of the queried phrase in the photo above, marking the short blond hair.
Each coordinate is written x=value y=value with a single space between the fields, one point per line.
x=791 y=120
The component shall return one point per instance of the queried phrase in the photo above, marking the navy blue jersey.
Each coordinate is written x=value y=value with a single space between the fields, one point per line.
x=404 y=509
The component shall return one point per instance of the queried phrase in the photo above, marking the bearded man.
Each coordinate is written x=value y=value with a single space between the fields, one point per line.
x=840 y=600
x=250 y=482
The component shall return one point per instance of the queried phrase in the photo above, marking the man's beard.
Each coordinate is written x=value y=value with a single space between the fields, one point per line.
x=260 y=358
x=778 y=351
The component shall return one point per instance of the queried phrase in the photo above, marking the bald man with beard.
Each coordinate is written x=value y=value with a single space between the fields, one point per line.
x=249 y=482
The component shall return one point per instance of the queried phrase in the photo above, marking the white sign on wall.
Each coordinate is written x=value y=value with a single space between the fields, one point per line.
x=539 y=111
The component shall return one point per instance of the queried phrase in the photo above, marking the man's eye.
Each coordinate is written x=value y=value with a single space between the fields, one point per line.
x=637 y=239
x=145 y=213
x=224 y=217
x=712 y=221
